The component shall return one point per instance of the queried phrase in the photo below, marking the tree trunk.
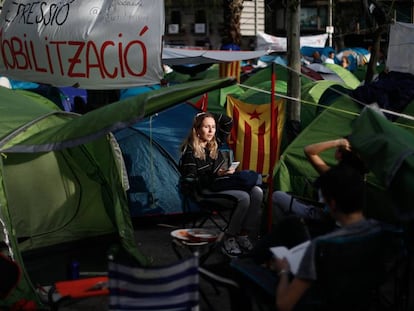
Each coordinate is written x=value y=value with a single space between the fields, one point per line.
x=375 y=51
x=294 y=63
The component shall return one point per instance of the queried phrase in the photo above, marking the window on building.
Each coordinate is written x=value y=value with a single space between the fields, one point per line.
x=175 y=23
x=176 y=17
x=403 y=12
x=313 y=17
x=200 y=22
x=309 y=17
x=200 y=16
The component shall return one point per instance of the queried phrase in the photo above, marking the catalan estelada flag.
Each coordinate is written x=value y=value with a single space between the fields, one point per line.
x=230 y=69
x=202 y=103
x=250 y=138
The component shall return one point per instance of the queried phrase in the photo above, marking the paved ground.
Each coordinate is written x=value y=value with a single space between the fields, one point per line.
x=154 y=240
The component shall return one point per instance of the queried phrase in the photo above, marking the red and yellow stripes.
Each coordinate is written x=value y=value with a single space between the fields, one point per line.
x=230 y=69
x=252 y=131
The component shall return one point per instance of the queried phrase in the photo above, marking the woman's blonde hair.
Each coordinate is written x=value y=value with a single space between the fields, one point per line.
x=194 y=140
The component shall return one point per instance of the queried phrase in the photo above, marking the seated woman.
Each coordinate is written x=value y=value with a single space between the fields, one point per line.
x=202 y=160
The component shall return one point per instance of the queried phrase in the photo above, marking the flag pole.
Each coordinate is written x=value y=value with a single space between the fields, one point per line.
x=273 y=145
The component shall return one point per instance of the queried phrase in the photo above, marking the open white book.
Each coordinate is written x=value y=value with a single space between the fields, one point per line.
x=293 y=255
x=234 y=165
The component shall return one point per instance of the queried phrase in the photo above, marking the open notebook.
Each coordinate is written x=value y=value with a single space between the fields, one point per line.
x=294 y=255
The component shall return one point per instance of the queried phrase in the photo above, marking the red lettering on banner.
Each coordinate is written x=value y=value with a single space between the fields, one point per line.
x=143 y=30
x=144 y=56
x=90 y=47
x=75 y=59
x=19 y=56
x=121 y=60
x=49 y=58
x=57 y=44
x=37 y=68
x=102 y=55
x=3 y=54
x=27 y=52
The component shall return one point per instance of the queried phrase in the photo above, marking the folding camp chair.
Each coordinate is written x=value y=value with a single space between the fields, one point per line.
x=354 y=271
x=259 y=283
x=316 y=227
x=163 y=288
x=366 y=272
x=217 y=208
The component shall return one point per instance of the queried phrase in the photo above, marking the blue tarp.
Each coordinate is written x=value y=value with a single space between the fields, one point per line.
x=309 y=50
x=274 y=59
x=392 y=91
x=133 y=91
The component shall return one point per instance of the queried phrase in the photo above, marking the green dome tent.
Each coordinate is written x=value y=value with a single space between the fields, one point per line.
x=62 y=186
x=217 y=97
x=53 y=196
x=295 y=174
x=264 y=75
x=388 y=150
x=311 y=95
x=348 y=77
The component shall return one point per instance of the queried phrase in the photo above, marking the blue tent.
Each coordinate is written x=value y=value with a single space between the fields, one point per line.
x=151 y=152
x=133 y=91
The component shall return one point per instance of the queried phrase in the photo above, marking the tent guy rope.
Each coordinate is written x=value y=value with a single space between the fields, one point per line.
x=402 y=115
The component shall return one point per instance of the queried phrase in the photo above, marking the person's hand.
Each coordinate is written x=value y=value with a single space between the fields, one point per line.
x=230 y=171
x=222 y=172
x=282 y=265
x=343 y=143
x=277 y=264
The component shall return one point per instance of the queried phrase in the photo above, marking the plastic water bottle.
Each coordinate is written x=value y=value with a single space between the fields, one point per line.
x=74 y=270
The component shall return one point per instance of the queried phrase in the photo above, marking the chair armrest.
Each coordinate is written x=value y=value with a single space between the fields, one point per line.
x=306 y=200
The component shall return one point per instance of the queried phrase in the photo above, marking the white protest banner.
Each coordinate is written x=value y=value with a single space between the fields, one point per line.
x=400 y=47
x=279 y=44
x=96 y=44
x=316 y=41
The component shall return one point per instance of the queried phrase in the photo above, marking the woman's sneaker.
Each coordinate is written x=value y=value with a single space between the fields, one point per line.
x=244 y=243
x=231 y=247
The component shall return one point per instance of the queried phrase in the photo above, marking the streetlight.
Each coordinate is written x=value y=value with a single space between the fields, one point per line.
x=330 y=28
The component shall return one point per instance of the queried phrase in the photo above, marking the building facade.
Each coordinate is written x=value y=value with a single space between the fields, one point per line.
x=199 y=23
x=347 y=19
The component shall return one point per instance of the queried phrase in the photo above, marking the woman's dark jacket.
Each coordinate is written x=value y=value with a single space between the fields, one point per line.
x=205 y=171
